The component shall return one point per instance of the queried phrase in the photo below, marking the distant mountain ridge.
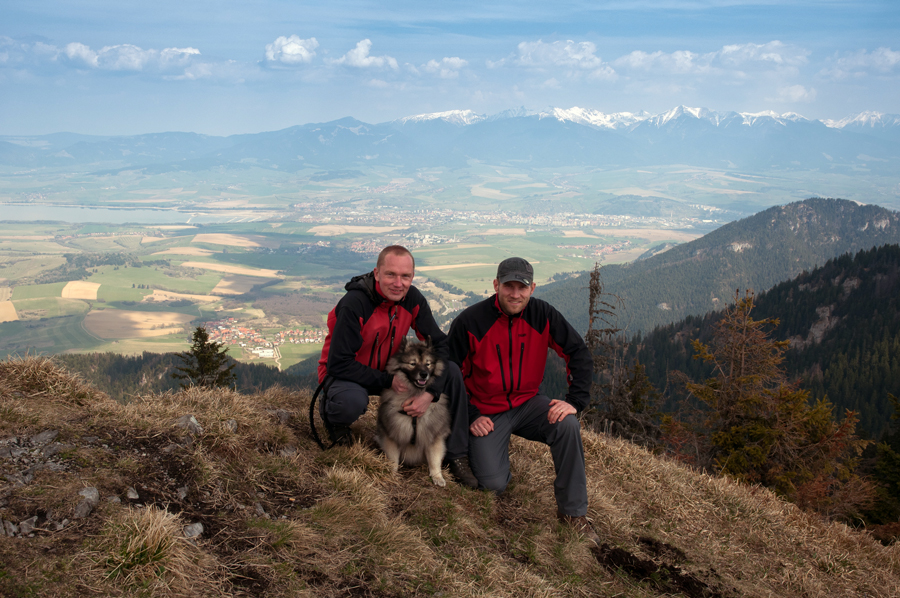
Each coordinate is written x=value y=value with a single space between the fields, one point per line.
x=754 y=253
x=869 y=142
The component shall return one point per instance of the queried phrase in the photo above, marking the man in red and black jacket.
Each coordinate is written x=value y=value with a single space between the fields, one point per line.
x=501 y=346
x=364 y=330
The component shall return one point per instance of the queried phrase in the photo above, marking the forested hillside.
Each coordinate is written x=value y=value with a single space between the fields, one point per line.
x=121 y=376
x=843 y=324
x=754 y=253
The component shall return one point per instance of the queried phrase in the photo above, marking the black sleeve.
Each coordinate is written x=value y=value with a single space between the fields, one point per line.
x=346 y=340
x=459 y=350
x=571 y=347
x=426 y=327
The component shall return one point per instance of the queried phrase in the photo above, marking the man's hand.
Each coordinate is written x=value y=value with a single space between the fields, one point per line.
x=482 y=426
x=559 y=410
x=417 y=405
x=399 y=384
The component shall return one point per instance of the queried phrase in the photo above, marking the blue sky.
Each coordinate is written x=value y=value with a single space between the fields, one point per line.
x=125 y=67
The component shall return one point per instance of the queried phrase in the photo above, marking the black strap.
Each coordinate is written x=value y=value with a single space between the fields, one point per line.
x=325 y=385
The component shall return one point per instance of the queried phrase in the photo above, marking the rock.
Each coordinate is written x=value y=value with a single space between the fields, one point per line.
x=131 y=493
x=91 y=499
x=114 y=499
x=288 y=451
x=182 y=493
x=83 y=509
x=171 y=448
x=56 y=448
x=92 y=495
x=231 y=425
x=189 y=423
x=14 y=478
x=193 y=530
x=259 y=509
x=27 y=526
x=44 y=437
x=10 y=528
x=90 y=439
x=281 y=415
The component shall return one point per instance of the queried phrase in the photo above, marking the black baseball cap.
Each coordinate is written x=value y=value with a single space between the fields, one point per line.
x=515 y=268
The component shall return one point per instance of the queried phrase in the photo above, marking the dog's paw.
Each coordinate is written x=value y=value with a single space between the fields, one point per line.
x=439 y=480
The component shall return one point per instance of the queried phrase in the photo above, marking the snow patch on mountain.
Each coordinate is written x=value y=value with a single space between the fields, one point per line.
x=869 y=119
x=456 y=117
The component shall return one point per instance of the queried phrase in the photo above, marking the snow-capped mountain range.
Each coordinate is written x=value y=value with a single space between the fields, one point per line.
x=868 y=143
x=625 y=120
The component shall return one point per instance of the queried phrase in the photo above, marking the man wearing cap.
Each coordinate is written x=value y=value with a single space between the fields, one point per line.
x=501 y=347
x=365 y=329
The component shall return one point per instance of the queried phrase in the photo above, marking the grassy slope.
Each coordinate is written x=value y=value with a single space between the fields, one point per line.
x=337 y=523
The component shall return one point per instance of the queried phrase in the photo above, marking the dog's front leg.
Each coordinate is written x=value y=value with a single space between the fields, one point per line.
x=392 y=452
x=434 y=455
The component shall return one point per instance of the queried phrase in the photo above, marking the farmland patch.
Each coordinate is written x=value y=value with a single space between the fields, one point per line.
x=117 y=323
x=80 y=289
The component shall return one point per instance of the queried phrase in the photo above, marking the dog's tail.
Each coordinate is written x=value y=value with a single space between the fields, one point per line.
x=325 y=385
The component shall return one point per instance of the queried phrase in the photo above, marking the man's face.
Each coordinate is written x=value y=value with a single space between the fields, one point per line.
x=395 y=276
x=513 y=296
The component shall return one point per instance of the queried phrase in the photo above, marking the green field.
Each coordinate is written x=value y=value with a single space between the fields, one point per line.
x=46 y=336
x=38 y=291
x=49 y=307
x=291 y=353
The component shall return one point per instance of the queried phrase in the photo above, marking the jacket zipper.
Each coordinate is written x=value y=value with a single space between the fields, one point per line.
x=521 y=354
x=372 y=352
x=393 y=330
x=511 y=379
x=500 y=363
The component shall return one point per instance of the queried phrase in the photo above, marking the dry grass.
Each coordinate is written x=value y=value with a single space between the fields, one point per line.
x=145 y=550
x=282 y=518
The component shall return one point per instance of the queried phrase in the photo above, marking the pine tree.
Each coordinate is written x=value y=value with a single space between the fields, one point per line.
x=206 y=364
x=623 y=401
x=760 y=428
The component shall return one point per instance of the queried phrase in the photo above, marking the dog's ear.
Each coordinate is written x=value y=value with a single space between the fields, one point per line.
x=428 y=343
x=402 y=347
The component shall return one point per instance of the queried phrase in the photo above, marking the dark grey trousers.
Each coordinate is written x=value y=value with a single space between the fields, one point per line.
x=346 y=401
x=489 y=455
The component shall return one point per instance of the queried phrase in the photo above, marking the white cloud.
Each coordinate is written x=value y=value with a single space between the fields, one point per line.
x=568 y=54
x=796 y=93
x=82 y=53
x=127 y=57
x=733 y=58
x=446 y=68
x=774 y=52
x=860 y=63
x=291 y=50
x=359 y=57
x=680 y=61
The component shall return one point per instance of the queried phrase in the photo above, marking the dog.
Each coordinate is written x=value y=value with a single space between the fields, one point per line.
x=414 y=440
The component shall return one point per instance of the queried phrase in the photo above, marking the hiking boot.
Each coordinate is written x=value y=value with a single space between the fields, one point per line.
x=339 y=435
x=459 y=469
x=582 y=525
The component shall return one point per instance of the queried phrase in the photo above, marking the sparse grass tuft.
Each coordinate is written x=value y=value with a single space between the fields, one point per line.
x=145 y=550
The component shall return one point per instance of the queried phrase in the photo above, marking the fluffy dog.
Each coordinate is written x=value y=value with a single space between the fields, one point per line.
x=413 y=440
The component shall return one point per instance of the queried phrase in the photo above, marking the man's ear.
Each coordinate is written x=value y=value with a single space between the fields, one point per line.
x=496 y=285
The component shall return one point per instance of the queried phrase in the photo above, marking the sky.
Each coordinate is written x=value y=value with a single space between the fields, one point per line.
x=223 y=67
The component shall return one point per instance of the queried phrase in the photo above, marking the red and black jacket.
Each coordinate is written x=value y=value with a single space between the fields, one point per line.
x=365 y=330
x=503 y=358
